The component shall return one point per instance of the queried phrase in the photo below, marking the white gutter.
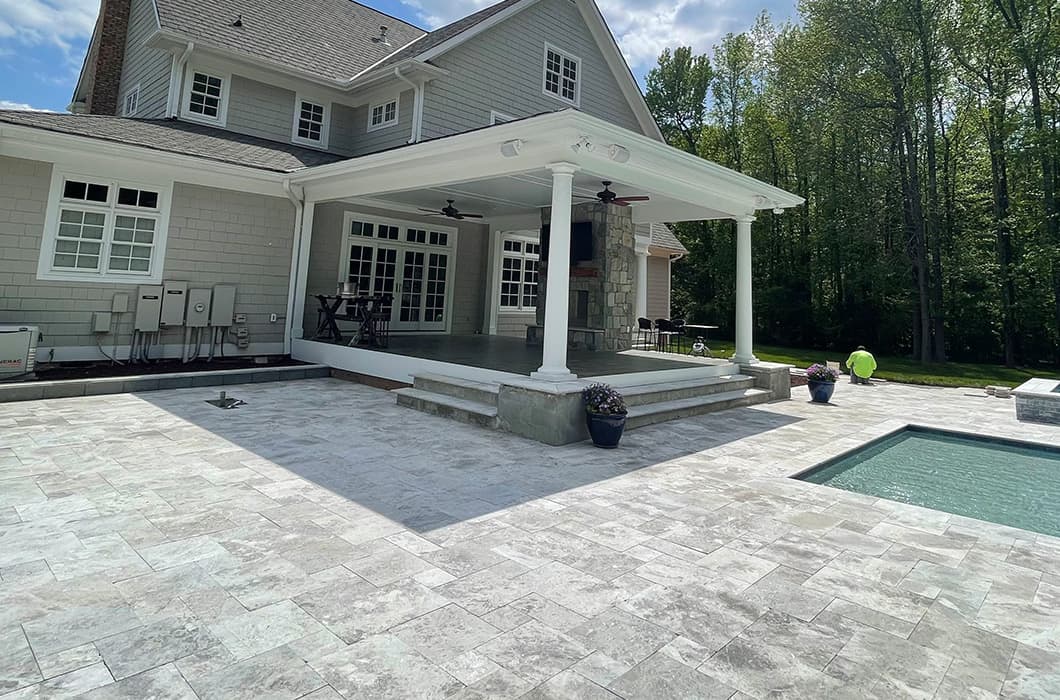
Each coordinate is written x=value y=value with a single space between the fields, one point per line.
x=296 y=253
x=175 y=75
x=417 y=105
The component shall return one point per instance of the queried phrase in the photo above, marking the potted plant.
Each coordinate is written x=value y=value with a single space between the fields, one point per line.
x=821 y=381
x=605 y=414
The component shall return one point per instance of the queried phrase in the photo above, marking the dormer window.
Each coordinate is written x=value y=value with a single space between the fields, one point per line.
x=382 y=115
x=310 y=123
x=205 y=97
x=562 y=78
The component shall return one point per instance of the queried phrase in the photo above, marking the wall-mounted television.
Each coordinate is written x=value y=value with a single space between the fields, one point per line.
x=581 y=241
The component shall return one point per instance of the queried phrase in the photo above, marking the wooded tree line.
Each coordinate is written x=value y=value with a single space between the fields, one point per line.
x=925 y=137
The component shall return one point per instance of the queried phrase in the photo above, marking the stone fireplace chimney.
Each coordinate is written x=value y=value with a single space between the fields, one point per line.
x=601 y=290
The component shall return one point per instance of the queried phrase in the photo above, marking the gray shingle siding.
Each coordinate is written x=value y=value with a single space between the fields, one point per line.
x=261 y=110
x=365 y=141
x=215 y=236
x=658 y=287
x=501 y=69
x=149 y=68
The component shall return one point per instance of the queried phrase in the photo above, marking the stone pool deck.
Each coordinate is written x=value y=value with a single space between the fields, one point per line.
x=321 y=542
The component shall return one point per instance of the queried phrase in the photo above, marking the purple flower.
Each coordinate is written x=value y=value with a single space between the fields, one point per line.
x=601 y=398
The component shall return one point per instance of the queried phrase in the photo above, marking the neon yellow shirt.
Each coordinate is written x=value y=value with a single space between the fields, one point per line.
x=862 y=363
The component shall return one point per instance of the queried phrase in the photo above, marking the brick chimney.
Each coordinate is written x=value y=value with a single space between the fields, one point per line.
x=107 y=57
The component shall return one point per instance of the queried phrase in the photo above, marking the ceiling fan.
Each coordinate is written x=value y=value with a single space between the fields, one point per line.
x=452 y=212
x=608 y=197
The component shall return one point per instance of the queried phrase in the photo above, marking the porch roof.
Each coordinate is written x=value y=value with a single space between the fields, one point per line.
x=503 y=170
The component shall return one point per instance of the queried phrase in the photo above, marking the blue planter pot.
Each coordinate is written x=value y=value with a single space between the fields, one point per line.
x=605 y=430
x=821 y=392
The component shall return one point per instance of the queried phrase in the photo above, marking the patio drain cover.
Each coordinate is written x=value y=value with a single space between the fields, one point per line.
x=226 y=402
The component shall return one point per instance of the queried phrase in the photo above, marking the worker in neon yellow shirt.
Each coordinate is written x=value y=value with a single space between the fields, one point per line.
x=861 y=364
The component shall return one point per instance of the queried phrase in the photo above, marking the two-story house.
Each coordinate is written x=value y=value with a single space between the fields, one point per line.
x=285 y=147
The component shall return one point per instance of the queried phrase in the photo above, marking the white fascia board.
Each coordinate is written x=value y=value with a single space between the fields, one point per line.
x=70 y=150
x=548 y=138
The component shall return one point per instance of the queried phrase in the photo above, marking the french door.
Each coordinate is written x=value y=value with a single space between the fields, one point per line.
x=411 y=264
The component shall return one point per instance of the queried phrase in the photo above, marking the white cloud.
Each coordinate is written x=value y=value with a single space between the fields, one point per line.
x=644 y=28
x=20 y=106
x=58 y=22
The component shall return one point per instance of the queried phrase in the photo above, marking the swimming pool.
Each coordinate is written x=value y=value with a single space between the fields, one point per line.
x=1001 y=481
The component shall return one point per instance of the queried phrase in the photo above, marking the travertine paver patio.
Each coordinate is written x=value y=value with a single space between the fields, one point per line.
x=321 y=542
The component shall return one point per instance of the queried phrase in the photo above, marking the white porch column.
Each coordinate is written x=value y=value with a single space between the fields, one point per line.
x=300 y=274
x=640 y=247
x=557 y=284
x=744 y=320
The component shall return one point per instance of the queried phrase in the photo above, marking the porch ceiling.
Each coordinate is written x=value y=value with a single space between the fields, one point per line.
x=512 y=195
x=504 y=170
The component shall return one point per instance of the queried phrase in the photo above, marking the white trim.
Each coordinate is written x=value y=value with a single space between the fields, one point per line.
x=185 y=101
x=45 y=262
x=524 y=237
x=500 y=117
x=396 y=101
x=325 y=125
x=388 y=365
x=401 y=244
x=578 y=78
x=133 y=92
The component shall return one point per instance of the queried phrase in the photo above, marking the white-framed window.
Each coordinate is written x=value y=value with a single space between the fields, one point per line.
x=100 y=229
x=312 y=119
x=130 y=102
x=562 y=75
x=383 y=114
x=206 y=96
x=414 y=262
x=499 y=117
x=519 y=259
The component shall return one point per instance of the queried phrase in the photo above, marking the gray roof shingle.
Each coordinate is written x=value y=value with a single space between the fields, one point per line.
x=662 y=236
x=443 y=34
x=178 y=137
x=328 y=38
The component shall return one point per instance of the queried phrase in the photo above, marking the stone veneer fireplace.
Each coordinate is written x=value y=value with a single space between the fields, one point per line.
x=603 y=286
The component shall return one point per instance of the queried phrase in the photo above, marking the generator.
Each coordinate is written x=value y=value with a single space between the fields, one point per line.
x=18 y=352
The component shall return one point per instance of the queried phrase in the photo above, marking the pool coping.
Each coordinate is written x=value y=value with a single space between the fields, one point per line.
x=919 y=427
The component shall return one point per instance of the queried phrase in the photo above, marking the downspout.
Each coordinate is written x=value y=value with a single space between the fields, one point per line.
x=175 y=74
x=296 y=254
x=417 y=105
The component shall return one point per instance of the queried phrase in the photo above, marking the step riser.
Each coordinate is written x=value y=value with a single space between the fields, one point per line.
x=690 y=373
x=664 y=416
x=450 y=412
x=456 y=391
x=689 y=392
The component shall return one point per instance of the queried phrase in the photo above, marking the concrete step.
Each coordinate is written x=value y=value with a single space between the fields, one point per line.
x=651 y=413
x=691 y=372
x=671 y=391
x=467 y=389
x=463 y=410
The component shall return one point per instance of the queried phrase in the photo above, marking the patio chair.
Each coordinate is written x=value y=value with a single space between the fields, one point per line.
x=678 y=327
x=664 y=333
x=645 y=333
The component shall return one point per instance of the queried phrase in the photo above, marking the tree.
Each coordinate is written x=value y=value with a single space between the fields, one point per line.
x=677 y=96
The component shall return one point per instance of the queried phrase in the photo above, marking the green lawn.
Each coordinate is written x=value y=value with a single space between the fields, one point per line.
x=901 y=369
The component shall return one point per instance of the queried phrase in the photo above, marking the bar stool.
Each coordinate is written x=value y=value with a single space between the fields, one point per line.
x=678 y=327
x=664 y=332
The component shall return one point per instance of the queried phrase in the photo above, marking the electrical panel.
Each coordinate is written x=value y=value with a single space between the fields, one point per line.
x=198 y=308
x=120 y=304
x=101 y=322
x=224 y=305
x=174 y=295
x=148 y=308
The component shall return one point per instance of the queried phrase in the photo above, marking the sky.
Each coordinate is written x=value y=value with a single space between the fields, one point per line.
x=43 y=42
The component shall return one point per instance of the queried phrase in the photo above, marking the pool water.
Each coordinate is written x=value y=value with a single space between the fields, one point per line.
x=996 y=480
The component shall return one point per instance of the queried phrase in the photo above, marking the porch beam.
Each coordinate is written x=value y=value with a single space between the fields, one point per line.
x=557 y=284
x=744 y=316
